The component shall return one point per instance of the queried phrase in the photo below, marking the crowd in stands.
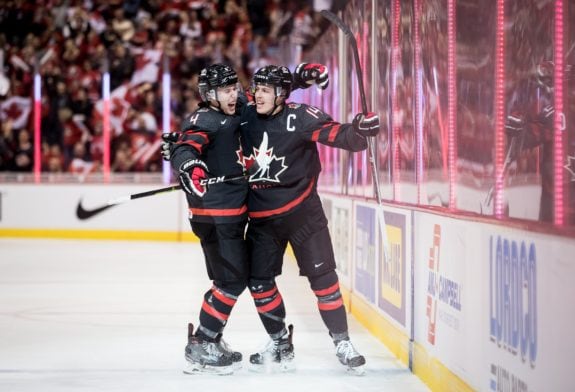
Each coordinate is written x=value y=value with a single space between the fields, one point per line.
x=71 y=43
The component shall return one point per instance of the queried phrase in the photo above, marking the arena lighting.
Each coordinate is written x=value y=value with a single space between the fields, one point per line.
x=452 y=100
x=499 y=108
x=395 y=59
x=37 y=133
x=166 y=80
x=559 y=126
x=106 y=125
x=418 y=99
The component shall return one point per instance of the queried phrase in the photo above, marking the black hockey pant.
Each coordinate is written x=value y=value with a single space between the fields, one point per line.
x=307 y=232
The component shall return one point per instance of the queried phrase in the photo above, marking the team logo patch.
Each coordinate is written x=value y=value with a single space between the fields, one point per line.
x=270 y=166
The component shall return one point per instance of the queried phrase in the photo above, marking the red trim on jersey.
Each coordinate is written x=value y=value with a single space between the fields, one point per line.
x=265 y=294
x=333 y=133
x=222 y=298
x=218 y=212
x=330 y=305
x=315 y=135
x=330 y=290
x=285 y=207
x=271 y=305
x=213 y=312
x=198 y=145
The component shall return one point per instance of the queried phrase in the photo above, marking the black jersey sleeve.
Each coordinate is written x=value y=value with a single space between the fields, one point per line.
x=196 y=132
x=318 y=126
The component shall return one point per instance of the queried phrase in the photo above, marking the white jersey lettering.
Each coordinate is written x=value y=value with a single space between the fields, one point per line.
x=290 y=126
x=194 y=118
x=313 y=111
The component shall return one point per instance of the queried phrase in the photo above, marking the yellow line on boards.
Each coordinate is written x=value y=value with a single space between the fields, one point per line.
x=121 y=235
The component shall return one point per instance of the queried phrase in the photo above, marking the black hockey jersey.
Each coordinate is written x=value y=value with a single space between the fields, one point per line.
x=213 y=137
x=284 y=146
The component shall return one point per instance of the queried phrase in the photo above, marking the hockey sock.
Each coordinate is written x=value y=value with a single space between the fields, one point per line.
x=269 y=304
x=216 y=309
x=330 y=302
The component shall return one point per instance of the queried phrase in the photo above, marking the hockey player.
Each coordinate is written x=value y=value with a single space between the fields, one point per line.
x=531 y=124
x=209 y=139
x=284 y=207
x=209 y=144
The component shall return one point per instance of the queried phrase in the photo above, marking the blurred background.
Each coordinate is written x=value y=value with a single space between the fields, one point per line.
x=87 y=87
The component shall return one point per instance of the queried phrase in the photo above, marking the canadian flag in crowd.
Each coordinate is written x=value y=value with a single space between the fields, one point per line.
x=16 y=109
x=147 y=67
x=119 y=107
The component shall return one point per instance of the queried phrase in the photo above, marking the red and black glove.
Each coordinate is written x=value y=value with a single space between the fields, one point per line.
x=366 y=124
x=307 y=74
x=192 y=172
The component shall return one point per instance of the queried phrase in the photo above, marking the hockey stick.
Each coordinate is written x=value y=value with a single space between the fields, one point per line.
x=510 y=157
x=370 y=141
x=83 y=213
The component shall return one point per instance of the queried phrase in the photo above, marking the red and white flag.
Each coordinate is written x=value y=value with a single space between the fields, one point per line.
x=147 y=67
x=119 y=107
x=16 y=109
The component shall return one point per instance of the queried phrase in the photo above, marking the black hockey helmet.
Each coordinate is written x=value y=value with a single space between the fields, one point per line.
x=214 y=76
x=275 y=75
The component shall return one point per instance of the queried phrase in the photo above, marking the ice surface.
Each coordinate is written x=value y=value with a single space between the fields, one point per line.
x=112 y=316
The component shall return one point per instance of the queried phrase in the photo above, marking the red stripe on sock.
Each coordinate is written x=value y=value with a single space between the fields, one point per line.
x=330 y=305
x=330 y=290
x=222 y=298
x=265 y=294
x=270 y=306
x=214 y=313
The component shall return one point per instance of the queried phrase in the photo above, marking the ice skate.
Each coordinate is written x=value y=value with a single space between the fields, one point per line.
x=235 y=356
x=348 y=356
x=278 y=355
x=203 y=356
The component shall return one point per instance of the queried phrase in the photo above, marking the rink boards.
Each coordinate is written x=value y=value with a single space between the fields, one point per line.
x=467 y=305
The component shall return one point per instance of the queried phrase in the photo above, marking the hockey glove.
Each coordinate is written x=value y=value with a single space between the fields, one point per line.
x=192 y=172
x=168 y=139
x=514 y=125
x=307 y=74
x=547 y=117
x=366 y=125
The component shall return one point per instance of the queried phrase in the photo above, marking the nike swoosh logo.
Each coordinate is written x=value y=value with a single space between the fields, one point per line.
x=318 y=265
x=223 y=121
x=84 y=214
x=244 y=123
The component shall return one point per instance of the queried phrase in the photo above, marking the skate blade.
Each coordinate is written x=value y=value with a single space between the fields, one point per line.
x=273 y=367
x=196 y=368
x=356 y=371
